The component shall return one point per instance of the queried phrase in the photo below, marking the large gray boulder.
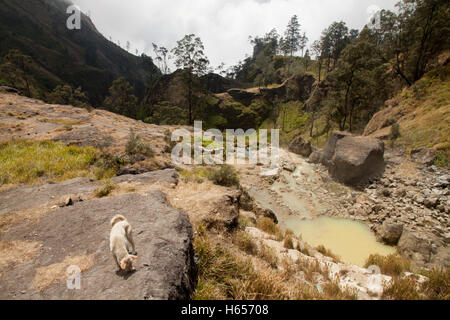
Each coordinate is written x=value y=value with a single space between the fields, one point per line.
x=352 y=160
x=357 y=159
x=325 y=155
x=414 y=247
x=390 y=232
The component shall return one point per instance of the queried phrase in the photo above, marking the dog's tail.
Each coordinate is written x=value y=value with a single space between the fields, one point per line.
x=116 y=219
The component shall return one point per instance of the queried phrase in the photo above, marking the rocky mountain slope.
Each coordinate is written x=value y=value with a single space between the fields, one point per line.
x=422 y=114
x=77 y=57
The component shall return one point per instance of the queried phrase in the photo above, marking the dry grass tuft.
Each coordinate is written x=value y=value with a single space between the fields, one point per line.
x=245 y=242
x=288 y=242
x=267 y=225
x=392 y=265
x=269 y=255
x=328 y=253
x=13 y=253
x=46 y=276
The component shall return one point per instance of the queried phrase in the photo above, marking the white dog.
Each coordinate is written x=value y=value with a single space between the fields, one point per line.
x=121 y=243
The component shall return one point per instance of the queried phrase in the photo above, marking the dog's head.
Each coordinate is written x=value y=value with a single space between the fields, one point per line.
x=127 y=263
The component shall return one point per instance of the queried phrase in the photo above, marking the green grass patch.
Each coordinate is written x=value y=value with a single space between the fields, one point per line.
x=27 y=162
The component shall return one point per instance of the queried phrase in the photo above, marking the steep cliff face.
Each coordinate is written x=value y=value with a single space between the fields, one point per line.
x=78 y=57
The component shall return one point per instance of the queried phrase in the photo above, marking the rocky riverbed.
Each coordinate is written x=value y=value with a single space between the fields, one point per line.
x=407 y=207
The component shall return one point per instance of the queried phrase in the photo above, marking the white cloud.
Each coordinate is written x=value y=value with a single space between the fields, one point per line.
x=223 y=25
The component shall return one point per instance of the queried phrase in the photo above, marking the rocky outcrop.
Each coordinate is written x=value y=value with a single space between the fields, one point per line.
x=217 y=84
x=78 y=234
x=243 y=96
x=30 y=119
x=301 y=146
x=8 y=89
x=296 y=88
x=383 y=119
x=414 y=247
x=248 y=203
x=423 y=156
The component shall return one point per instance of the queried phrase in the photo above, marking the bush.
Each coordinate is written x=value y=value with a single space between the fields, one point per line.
x=107 y=166
x=225 y=176
x=401 y=289
x=105 y=190
x=269 y=255
x=395 y=131
x=136 y=146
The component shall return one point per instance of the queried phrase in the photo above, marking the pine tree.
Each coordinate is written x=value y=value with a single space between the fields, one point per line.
x=190 y=57
x=292 y=36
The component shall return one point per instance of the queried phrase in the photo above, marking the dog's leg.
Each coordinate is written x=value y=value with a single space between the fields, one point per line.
x=117 y=262
x=131 y=241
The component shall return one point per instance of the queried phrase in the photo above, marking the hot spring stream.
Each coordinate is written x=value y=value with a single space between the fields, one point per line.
x=352 y=241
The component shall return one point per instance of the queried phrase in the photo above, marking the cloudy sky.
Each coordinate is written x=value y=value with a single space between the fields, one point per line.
x=223 y=25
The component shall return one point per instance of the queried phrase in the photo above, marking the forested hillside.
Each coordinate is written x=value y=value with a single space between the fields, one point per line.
x=48 y=54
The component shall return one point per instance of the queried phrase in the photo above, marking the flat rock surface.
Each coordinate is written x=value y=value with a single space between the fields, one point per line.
x=163 y=235
x=35 y=252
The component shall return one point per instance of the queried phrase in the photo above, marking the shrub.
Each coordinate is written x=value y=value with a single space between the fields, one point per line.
x=105 y=190
x=169 y=143
x=401 y=289
x=107 y=166
x=136 y=146
x=225 y=176
x=395 y=131
x=392 y=265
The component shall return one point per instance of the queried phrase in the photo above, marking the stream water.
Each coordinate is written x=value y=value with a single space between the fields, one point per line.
x=352 y=241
